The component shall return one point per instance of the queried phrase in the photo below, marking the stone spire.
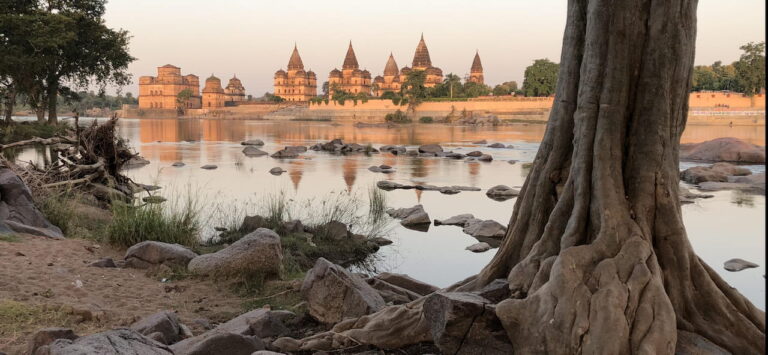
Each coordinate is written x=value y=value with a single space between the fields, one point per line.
x=350 y=61
x=295 y=61
x=421 y=57
x=391 y=68
x=477 y=67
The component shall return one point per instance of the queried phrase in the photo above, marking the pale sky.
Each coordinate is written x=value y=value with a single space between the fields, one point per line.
x=254 y=38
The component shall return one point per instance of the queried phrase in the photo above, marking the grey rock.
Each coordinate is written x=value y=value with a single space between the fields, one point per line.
x=18 y=212
x=475 y=153
x=43 y=337
x=430 y=148
x=178 y=164
x=392 y=294
x=112 y=342
x=104 y=262
x=209 y=167
x=276 y=171
x=407 y=282
x=252 y=223
x=718 y=172
x=334 y=230
x=502 y=192
x=166 y=323
x=332 y=294
x=253 y=142
x=252 y=151
x=259 y=252
x=285 y=154
x=149 y=253
x=135 y=162
x=293 y=226
x=479 y=247
x=723 y=149
x=693 y=344
x=485 y=229
x=737 y=264
x=485 y=158
x=223 y=343
x=496 y=291
x=497 y=145
x=459 y=220
x=410 y=216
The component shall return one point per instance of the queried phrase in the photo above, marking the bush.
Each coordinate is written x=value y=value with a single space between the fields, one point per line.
x=397 y=117
x=160 y=222
x=25 y=130
x=426 y=119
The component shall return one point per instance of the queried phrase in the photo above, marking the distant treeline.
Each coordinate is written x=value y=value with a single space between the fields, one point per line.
x=83 y=101
x=746 y=75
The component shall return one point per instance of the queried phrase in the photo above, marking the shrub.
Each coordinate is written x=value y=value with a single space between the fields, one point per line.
x=25 y=130
x=160 y=222
x=397 y=117
x=426 y=119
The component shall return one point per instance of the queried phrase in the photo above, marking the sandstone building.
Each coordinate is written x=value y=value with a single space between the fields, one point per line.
x=391 y=79
x=476 y=72
x=350 y=79
x=160 y=92
x=235 y=92
x=421 y=61
x=295 y=84
x=213 y=94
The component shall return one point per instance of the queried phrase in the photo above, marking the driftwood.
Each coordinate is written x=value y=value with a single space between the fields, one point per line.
x=37 y=141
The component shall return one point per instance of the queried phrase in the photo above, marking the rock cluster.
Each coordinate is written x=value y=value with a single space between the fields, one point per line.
x=410 y=216
x=391 y=185
x=338 y=146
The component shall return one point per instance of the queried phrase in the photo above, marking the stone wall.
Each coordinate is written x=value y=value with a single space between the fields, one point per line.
x=707 y=99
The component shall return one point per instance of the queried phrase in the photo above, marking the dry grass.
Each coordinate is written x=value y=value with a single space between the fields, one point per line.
x=18 y=321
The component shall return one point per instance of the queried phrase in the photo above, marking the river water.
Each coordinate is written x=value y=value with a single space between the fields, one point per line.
x=730 y=225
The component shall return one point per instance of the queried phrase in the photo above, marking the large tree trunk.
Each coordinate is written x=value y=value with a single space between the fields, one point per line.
x=10 y=102
x=596 y=255
x=53 y=96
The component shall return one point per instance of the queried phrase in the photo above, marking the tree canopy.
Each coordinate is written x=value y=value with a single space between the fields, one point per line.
x=505 y=88
x=540 y=78
x=750 y=68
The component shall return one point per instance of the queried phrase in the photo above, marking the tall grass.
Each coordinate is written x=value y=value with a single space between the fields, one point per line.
x=170 y=222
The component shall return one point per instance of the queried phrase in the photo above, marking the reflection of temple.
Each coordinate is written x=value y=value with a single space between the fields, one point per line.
x=349 y=172
x=350 y=79
x=295 y=172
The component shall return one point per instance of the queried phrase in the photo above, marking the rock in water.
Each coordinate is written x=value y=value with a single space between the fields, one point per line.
x=253 y=142
x=111 y=342
x=209 y=167
x=718 y=172
x=430 y=148
x=410 y=216
x=259 y=252
x=166 y=323
x=485 y=229
x=332 y=294
x=286 y=154
x=145 y=254
x=177 y=164
x=459 y=220
x=738 y=265
x=475 y=154
x=465 y=323
x=723 y=149
x=479 y=247
x=251 y=151
x=276 y=171
x=502 y=192
x=485 y=157
x=17 y=209
x=497 y=145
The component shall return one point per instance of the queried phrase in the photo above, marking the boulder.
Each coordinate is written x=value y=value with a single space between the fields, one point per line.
x=455 y=155
x=253 y=142
x=497 y=145
x=333 y=230
x=252 y=151
x=296 y=148
x=430 y=148
x=737 y=264
x=485 y=157
x=258 y=252
x=222 y=343
x=465 y=323
x=485 y=229
x=285 y=154
x=276 y=171
x=716 y=186
x=44 y=337
x=333 y=294
x=723 y=149
x=112 y=342
x=148 y=253
x=135 y=162
x=209 y=167
x=459 y=220
x=270 y=325
x=718 y=172
x=475 y=154
x=479 y=247
x=407 y=282
x=392 y=294
x=256 y=324
x=166 y=323
x=502 y=192
x=496 y=291
x=17 y=209
x=693 y=344
x=410 y=216
x=252 y=223
x=104 y=262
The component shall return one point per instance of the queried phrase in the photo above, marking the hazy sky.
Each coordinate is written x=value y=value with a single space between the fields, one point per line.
x=255 y=38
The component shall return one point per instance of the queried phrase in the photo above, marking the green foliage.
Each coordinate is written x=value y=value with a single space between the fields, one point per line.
x=413 y=88
x=426 y=119
x=182 y=100
x=540 y=78
x=269 y=97
x=472 y=89
x=715 y=77
x=17 y=317
x=9 y=238
x=161 y=222
x=397 y=117
x=750 y=69
x=26 y=130
x=505 y=88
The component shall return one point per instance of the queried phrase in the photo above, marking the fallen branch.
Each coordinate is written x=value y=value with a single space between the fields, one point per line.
x=87 y=178
x=36 y=140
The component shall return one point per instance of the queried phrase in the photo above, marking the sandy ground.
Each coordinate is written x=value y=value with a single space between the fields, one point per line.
x=49 y=272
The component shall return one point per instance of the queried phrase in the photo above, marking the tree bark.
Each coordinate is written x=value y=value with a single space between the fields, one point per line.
x=596 y=254
x=10 y=102
x=53 y=96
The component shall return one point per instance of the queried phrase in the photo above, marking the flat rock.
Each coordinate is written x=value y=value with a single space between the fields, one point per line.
x=497 y=145
x=718 y=172
x=485 y=229
x=252 y=151
x=148 y=253
x=479 y=247
x=738 y=265
x=723 y=149
x=410 y=216
x=485 y=157
x=430 y=148
x=252 y=142
x=259 y=252
x=222 y=343
x=502 y=192
x=285 y=154
x=209 y=167
x=716 y=186
x=112 y=342
x=276 y=171
x=459 y=220
x=178 y=164
x=333 y=294
x=407 y=282
x=475 y=154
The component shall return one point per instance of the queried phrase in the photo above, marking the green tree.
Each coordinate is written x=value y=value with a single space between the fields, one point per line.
x=540 y=78
x=750 y=68
x=60 y=45
x=472 y=89
x=452 y=85
x=413 y=88
x=505 y=88
x=182 y=100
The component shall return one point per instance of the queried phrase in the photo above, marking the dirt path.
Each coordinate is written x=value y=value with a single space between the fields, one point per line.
x=45 y=274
